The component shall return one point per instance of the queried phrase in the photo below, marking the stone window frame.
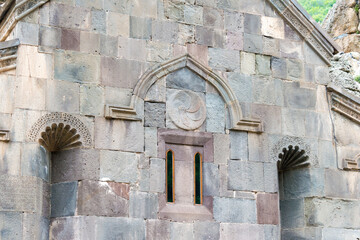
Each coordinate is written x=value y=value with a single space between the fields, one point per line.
x=172 y=210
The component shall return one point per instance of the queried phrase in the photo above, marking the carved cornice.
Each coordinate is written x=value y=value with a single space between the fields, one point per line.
x=12 y=12
x=291 y=158
x=344 y=103
x=8 y=55
x=4 y=135
x=312 y=33
x=121 y=112
x=352 y=164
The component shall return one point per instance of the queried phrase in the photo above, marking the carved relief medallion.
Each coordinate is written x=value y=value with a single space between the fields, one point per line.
x=187 y=110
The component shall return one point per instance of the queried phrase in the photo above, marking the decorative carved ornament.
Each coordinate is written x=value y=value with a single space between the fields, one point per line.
x=352 y=164
x=237 y=122
x=4 y=135
x=344 y=103
x=306 y=27
x=187 y=110
x=292 y=157
x=60 y=131
x=8 y=55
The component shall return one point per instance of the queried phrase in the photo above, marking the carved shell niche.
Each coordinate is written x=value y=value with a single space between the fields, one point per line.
x=292 y=158
x=59 y=137
x=187 y=110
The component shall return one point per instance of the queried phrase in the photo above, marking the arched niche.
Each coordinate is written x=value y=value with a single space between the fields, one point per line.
x=157 y=72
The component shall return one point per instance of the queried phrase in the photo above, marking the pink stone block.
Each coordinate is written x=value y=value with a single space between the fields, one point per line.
x=267 y=208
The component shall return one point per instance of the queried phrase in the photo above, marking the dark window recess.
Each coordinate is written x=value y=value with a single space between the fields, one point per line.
x=170 y=176
x=198 y=179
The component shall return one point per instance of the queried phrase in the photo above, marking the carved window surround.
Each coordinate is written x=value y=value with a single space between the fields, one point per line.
x=237 y=121
x=4 y=135
x=352 y=164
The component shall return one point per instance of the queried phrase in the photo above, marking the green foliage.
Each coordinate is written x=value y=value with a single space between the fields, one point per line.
x=317 y=8
x=357 y=78
x=357 y=8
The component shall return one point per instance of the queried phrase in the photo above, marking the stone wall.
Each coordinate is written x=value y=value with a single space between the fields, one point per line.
x=86 y=59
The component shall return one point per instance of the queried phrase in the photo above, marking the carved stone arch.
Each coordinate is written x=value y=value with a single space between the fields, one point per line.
x=237 y=122
x=60 y=131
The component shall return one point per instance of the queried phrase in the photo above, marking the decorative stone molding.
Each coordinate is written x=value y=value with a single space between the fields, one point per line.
x=344 y=103
x=291 y=158
x=300 y=20
x=58 y=131
x=237 y=122
x=352 y=164
x=8 y=55
x=4 y=135
x=13 y=11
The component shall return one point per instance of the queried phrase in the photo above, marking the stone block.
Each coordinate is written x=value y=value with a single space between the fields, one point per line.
x=278 y=67
x=28 y=33
x=144 y=8
x=35 y=161
x=271 y=177
x=109 y=134
x=291 y=118
x=11 y=225
x=143 y=205
x=199 y=52
x=35 y=226
x=234 y=41
x=118 y=166
x=272 y=27
x=157 y=175
x=7 y=88
x=108 y=46
x=159 y=51
x=144 y=179
x=24 y=93
x=132 y=49
x=90 y=42
x=292 y=213
x=50 y=37
x=239 y=145
x=295 y=70
x=117 y=24
x=221 y=148
x=108 y=227
x=70 y=39
x=340 y=184
x=165 y=31
x=99 y=199
x=211 y=179
x=213 y=17
x=89 y=4
x=263 y=65
x=291 y=49
x=63 y=199
x=267 y=91
x=312 y=233
x=67 y=16
x=216 y=112
x=76 y=67
x=327 y=156
x=186 y=35
x=271 y=46
x=140 y=27
x=91 y=100
x=247 y=63
x=80 y=227
x=253 y=43
x=185 y=79
x=336 y=233
x=62 y=96
x=150 y=142
x=116 y=6
x=303 y=183
x=270 y=116
x=193 y=15
x=233 y=231
x=234 y=21
x=291 y=34
x=299 y=97
x=74 y=165
x=322 y=75
x=209 y=37
x=267 y=206
x=157 y=229
x=234 y=210
x=252 y=24
x=154 y=114
x=224 y=60
x=246 y=176
x=98 y=21
x=10 y=158
x=182 y=231
x=206 y=230
x=118 y=96
x=32 y=63
x=128 y=70
x=20 y=128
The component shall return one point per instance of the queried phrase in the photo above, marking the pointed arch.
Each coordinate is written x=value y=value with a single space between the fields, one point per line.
x=237 y=122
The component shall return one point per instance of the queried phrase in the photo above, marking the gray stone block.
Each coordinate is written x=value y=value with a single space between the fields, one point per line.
x=140 y=27
x=118 y=166
x=185 y=79
x=271 y=177
x=310 y=233
x=234 y=21
x=309 y=74
x=213 y=18
x=253 y=43
x=70 y=39
x=206 y=230
x=62 y=96
x=252 y=24
x=295 y=70
x=157 y=175
x=292 y=213
x=63 y=199
x=144 y=180
x=80 y=17
x=263 y=65
x=337 y=234
x=155 y=114
x=239 y=145
x=79 y=227
x=98 y=21
x=216 y=112
x=50 y=37
x=27 y=33
x=211 y=179
x=157 y=229
x=291 y=49
x=209 y=37
x=265 y=91
x=89 y=4
x=35 y=161
x=225 y=60
x=35 y=227
x=235 y=231
x=182 y=231
x=143 y=205
x=322 y=75
x=122 y=228
x=221 y=148
x=90 y=42
x=327 y=156
x=298 y=97
x=241 y=85
x=234 y=210
x=247 y=63
x=108 y=46
x=165 y=31
x=11 y=225
x=246 y=176
x=151 y=142
x=340 y=184
x=278 y=67
x=10 y=159
x=91 y=100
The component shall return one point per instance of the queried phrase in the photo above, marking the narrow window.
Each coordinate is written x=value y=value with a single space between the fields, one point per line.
x=198 y=178
x=170 y=193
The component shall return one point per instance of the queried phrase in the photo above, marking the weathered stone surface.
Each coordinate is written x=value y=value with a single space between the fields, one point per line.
x=143 y=205
x=150 y=142
x=108 y=227
x=185 y=79
x=340 y=184
x=241 y=85
x=272 y=27
x=157 y=229
x=132 y=49
x=263 y=65
x=215 y=113
x=270 y=115
x=99 y=199
x=108 y=46
x=140 y=27
x=245 y=176
x=76 y=164
x=234 y=21
x=267 y=206
x=111 y=135
x=35 y=161
x=70 y=39
x=7 y=88
x=295 y=70
x=89 y=42
x=182 y=231
x=62 y=96
x=311 y=233
x=253 y=43
x=118 y=166
x=252 y=24
x=271 y=177
x=299 y=97
x=247 y=63
x=25 y=87
x=278 y=67
x=193 y=15
x=154 y=114
x=117 y=24
x=233 y=231
x=50 y=37
x=221 y=148
x=209 y=36
x=98 y=21
x=63 y=199
x=336 y=233
x=11 y=225
x=207 y=230
x=165 y=31
x=91 y=100
x=291 y=49
x=35 y=226
x=27 y=33
x=10 y=158
x=327 y=156
x=157 y=175
x=211 y=179
x=118 y=96
x=76 y=67
x=292 y=213
x=213 y=18
x=239 y=145
x=271 y=46
x=225 y=60
x=61 y=13
x=234 y=41
x=158 y=51
x=234 y=210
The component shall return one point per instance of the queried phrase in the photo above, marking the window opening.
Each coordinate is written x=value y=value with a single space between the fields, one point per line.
x=170 y=193
x=198 y=178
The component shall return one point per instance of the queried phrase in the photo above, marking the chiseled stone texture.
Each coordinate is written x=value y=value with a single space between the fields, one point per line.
x=181 y=230
x=143 y=205
x=185 y=79
x=157 y=175
x=267 y=208
x=292 y=213
x=157 y=229
x=245 y=175
x=225 y=60
x=221 y=148
x=234 y=210
x=239 y=145
x=211 y=179
x=35 y=161
x=235 y=231
x=215 y=113
x=11 y=225
x=63 y=199
x=154 y=114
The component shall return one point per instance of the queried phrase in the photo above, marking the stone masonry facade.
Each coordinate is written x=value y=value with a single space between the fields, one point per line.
x=94 y=92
